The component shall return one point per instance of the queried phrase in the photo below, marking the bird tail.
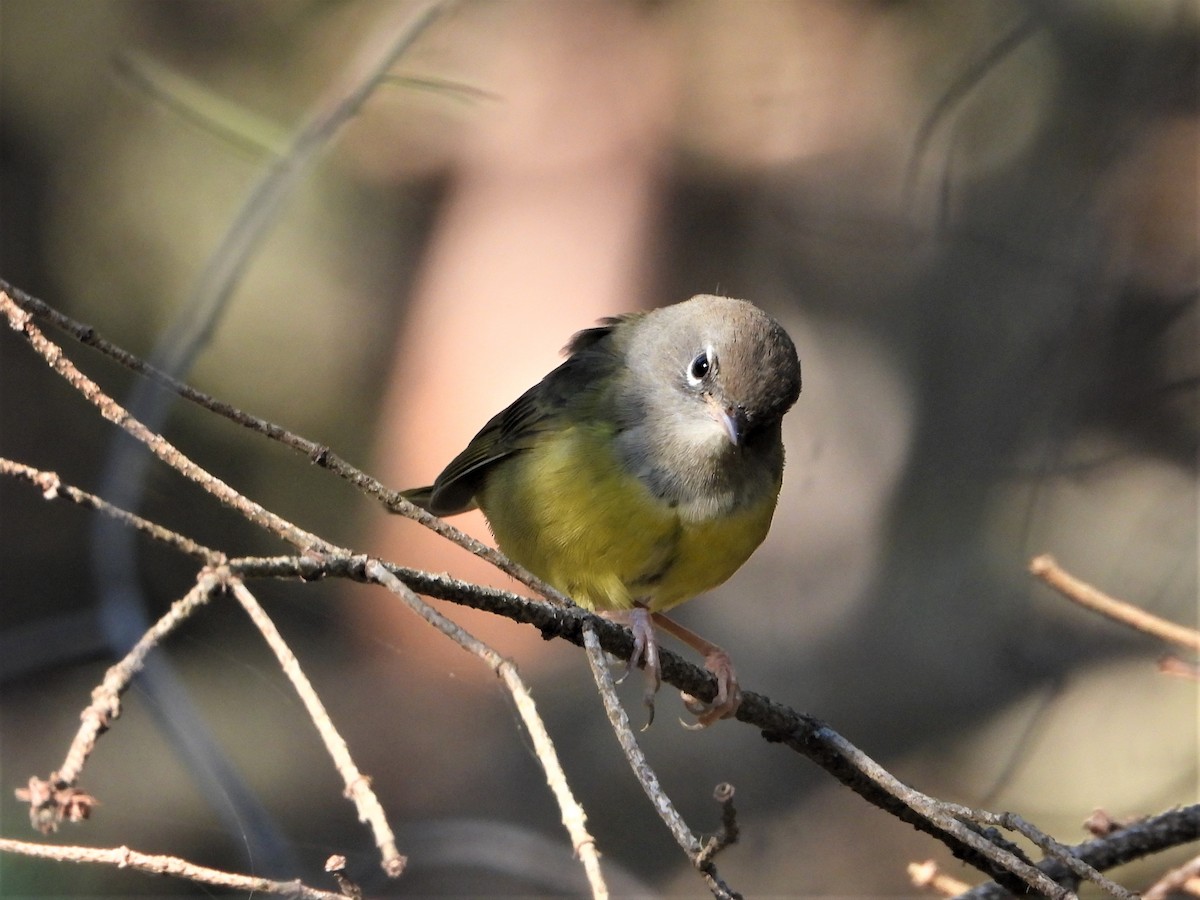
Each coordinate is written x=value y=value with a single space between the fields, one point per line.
x=422 y=496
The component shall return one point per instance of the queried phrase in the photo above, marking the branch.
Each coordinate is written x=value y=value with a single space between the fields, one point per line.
x=124 y=858
x=358 y=786
x=729 y=831
x=159 y=446
x=778 y=723
x=1184 y=879
x=943 y=820
x=56 y=798
x=319 y=454
x=928 y=875
x=645 y=775
x=54 y=488
x=1148 y=836
x=1050 y=847
x=387 y=42
x=573 y=816
x=803 y=733
x=1046 y=568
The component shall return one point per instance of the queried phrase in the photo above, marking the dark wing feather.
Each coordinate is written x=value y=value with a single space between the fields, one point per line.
x=504 y=434
x=569 y=390
x=589 y=338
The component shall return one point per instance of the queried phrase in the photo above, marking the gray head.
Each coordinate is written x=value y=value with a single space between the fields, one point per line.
x=706 y=384
x=718 y=368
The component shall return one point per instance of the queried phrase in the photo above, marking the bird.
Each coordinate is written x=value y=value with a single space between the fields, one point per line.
x=641 y=472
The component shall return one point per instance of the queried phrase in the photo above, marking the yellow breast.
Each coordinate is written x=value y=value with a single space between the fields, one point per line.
x=567 y=511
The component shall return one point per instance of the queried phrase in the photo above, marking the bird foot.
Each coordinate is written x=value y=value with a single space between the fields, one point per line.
x=729 y=695
x=645 y=654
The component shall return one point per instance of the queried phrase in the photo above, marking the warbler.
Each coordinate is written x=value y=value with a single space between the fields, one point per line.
x=643 y=471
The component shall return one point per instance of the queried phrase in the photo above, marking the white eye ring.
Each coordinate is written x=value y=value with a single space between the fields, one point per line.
x=702 y=367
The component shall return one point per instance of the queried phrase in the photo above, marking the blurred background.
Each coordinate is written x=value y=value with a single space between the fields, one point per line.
x=978 y=220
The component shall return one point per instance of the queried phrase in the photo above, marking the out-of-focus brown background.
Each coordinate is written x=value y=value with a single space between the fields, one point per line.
x=979 y=223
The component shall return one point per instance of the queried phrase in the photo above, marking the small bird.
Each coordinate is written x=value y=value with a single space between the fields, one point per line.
x=643 y=471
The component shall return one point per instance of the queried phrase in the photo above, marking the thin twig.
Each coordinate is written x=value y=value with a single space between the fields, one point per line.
x=358 y=785
x=54 y=488
x=1048 y=845
x=728 y=835
x=1101 y=824
x=56 y=798
x=963 y=84
x=1046 y=568
x=803 y=733
x=552 y=621
x=1136 y=841
x=386 y=43
x=947 y=817
x=929 y=875
x=1170 y=664
x=159 y=446
x=336 y=866
x=1185 y=878
x=198 y=104
x=644 y=773
x=573 y=816
x=320 y=454
x=173 y=866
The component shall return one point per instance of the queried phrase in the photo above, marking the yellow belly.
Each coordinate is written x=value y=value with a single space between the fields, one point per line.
x=568 y=512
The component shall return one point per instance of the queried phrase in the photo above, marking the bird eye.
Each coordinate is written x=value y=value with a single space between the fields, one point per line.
x=700 y=367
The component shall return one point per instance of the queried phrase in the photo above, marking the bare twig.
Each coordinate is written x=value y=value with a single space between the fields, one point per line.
x=159 y=446
x=573 y=816
x=388 y=41
x=124 y=858
x=1180 y=668
x=1046 y=568
x=319 y=454
x=645 y=775
x=1101 y=824
x=965 y=82
x=55 y=799
x=1135 y=841
x=929 y=875
x=947 y=817
x=336 y=866
x=358 y=785
x=54 y=488
x=196 y=103
x=1049 y=846
x=807 y=735
x=778 y=723
x=730 y=831
x=1186 y=878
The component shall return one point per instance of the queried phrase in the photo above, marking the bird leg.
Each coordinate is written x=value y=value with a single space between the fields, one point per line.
x=729 y=695
x=645 y=654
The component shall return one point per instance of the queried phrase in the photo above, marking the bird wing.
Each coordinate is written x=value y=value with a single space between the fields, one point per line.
x=571 y=390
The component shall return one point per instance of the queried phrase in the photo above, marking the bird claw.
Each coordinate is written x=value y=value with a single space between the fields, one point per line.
x=645 y=654
x=729 y=695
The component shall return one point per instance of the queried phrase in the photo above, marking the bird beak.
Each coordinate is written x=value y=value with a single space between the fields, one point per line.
x=731 y=418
